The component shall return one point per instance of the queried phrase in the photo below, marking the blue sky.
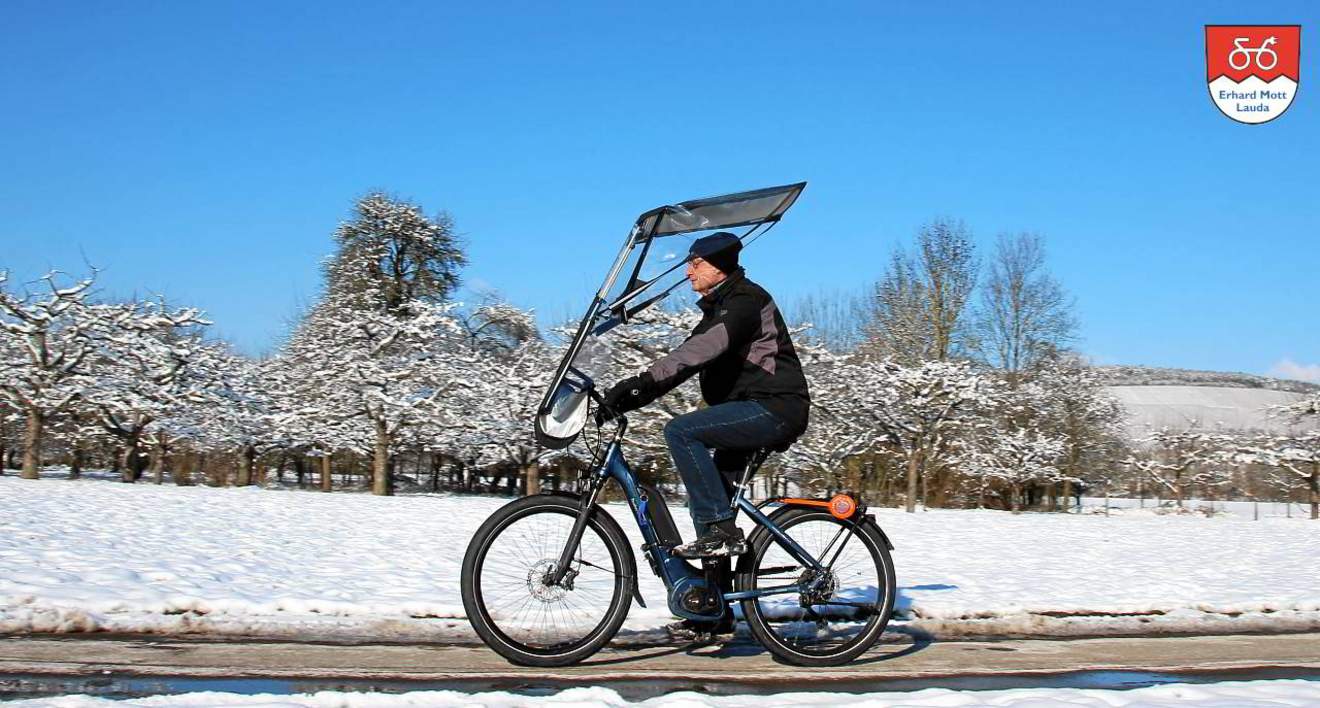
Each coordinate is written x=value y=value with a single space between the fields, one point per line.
x=207 y=150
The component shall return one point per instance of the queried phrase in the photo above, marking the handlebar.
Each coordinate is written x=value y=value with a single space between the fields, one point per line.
x=589 y=385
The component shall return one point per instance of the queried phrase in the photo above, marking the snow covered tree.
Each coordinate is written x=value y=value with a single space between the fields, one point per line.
x=836 y=434
x=362 y=377
x=496 y=327
x=138 y=376
x=513 y=367
x=224 y=402
x=390 y=254
x=1292 y=461
x=1296 y=453
x=11 y=421
x=1075 y=408
x=382 y=351
x=1177 y=460
x=48 y=340
x=920 y=409
x=64 y=344
x=1015 y=455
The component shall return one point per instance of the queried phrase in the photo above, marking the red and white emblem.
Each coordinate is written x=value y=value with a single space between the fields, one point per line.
x=1252 y=69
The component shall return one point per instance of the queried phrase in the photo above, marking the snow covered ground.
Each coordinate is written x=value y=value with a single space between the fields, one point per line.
x=98 y=555
x=1245 y=694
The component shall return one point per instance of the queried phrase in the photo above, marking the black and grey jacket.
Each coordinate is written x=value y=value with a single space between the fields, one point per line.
x=743 y=352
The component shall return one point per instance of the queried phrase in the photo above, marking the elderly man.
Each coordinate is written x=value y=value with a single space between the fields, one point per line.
x=751 y=380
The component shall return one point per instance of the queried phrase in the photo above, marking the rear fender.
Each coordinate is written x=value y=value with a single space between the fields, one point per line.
x=745 y=561
x=869 y=519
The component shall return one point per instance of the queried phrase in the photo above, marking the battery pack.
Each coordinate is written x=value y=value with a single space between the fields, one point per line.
x=658 y=512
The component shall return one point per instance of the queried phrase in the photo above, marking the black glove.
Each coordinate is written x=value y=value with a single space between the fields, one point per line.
x=627 y=395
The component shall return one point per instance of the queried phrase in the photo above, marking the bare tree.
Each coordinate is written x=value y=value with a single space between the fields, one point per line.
x=1024 y=313
x=948 y=263
x=897 y=326
x=835 y=319
x=918 y=309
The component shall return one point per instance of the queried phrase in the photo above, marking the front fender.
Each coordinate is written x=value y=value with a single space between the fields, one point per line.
x=607 y=519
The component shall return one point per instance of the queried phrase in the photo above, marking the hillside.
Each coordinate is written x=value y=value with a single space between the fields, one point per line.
x=1156 y=376
x=1207 y=408
x=1182 y=399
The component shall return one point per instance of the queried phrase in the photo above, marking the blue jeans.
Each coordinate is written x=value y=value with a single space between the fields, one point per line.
x=734 y=430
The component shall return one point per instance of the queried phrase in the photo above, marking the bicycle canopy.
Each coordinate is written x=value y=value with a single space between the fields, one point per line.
x=651 y=255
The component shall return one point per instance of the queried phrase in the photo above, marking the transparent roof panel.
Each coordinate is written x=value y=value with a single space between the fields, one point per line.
x=728 y=211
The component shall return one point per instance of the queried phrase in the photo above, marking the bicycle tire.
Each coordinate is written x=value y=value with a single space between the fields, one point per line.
x=755 y=610
x=499 y=630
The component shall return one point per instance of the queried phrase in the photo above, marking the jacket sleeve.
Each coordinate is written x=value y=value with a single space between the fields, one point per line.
x=736 y=325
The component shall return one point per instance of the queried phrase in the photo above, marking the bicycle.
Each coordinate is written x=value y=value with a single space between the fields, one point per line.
x=548 y=579
x=1262 y=53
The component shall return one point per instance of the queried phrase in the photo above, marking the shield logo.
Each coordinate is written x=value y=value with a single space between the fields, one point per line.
x=1252 y=70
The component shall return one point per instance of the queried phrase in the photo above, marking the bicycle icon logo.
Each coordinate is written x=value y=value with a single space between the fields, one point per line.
x=1242 y=56
x=1252 y=71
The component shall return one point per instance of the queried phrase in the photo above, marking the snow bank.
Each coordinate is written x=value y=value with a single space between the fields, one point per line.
x=103 y=556
x=1245 y=694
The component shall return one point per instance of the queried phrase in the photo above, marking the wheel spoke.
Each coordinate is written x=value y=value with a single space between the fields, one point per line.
x=525 y=611
x=839 y=608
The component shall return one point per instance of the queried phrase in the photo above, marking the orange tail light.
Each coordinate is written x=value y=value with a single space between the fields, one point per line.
x=841 y=506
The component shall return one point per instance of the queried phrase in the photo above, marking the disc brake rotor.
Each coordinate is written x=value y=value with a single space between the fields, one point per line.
x=536 y=585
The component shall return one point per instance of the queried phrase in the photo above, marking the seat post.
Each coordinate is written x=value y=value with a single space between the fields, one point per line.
x=753 y=464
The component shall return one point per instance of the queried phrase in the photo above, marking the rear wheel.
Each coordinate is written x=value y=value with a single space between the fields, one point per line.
x=520 y=616
x=849 y=603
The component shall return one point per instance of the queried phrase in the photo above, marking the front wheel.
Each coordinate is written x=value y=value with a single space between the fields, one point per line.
x=849 y=603
x=520 y=616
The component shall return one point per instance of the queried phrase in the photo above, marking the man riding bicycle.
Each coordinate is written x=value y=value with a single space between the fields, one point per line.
x=751 y=380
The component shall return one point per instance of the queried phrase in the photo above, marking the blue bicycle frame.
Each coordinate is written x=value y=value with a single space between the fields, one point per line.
x=679 y=576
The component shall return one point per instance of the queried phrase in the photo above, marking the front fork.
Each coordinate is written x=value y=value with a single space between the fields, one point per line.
x=588 y=500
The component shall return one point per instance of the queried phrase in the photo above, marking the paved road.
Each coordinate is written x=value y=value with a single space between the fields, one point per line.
x=735 y=663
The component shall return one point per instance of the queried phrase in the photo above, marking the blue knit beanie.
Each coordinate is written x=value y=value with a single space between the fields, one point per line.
x=719 y=249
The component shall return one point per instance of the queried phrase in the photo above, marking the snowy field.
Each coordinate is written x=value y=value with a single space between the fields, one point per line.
x=1247 y=694
x=94 y=555
x=1207 y=408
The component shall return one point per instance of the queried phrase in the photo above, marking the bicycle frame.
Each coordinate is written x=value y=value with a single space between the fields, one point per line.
x=678 y=575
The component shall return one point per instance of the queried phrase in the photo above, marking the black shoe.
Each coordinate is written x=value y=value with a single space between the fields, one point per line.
x=694 y=631
x=715 y=543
